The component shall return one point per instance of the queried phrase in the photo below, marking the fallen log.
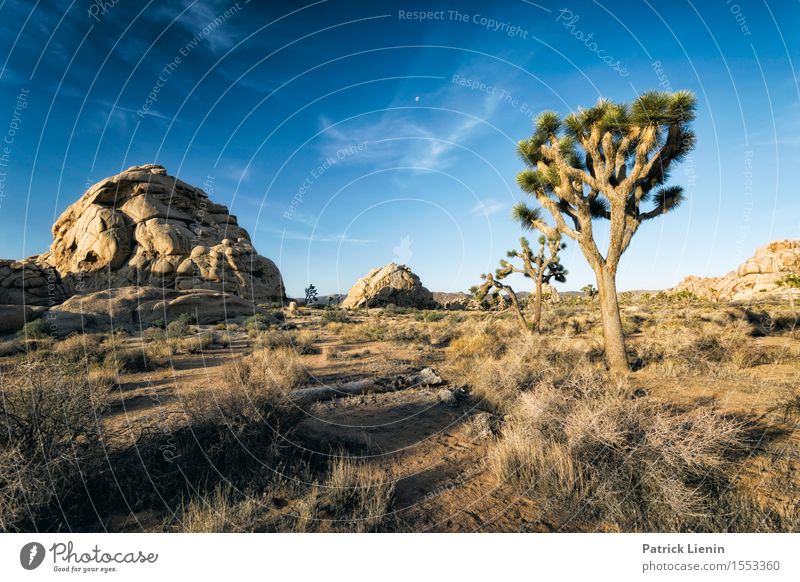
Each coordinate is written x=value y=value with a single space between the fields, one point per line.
x=425 y=377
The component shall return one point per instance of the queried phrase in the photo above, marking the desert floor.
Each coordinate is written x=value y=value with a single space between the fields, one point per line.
x=205 y=428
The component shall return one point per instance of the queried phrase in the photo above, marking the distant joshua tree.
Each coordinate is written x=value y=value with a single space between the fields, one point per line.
x=606 y=162
x=590 y=291
x=311 y=294
x=541 y=267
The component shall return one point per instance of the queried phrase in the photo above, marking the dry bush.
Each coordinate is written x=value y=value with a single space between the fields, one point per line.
x=222 y=338
x=478 y=345
x=158 y=350
x=58 y=470
x=237 y=433
x=591 y=453
x=50 y=437
x=409 y=332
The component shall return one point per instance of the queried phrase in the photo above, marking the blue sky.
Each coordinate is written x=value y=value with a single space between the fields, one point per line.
x=417 y=120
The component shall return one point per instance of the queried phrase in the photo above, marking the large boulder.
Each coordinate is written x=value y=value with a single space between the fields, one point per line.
x=392 y=284
x=135 y=307
x=756 y=278
x=143 y=227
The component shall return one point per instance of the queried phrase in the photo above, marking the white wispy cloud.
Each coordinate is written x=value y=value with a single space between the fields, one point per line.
x=424 y=139
x=200 y=15
x=488 y=207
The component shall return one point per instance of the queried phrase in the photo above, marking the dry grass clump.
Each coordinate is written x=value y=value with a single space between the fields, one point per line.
x=332 y=353
x=357 y=496
x=192 y=344
x=592 y=454
x=302 y=342
x=222 y=510
x=267 y=370
x=12 y=347
x=50 y=437
x=698 y=347
x=83 y=347
x=499 y=365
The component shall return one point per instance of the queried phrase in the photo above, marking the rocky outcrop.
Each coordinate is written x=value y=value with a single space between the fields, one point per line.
x=135 y=307
x=143 y=227
x=756 y=278
x=392 y=284
x=30 y=282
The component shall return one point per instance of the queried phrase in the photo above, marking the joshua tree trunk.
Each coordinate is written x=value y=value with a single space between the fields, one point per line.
x=515 y=304
x=537 y=305
x=613 y=337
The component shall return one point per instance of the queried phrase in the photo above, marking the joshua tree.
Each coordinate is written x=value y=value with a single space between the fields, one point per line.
x=607 y=162
x=590 y=291
x=311 y=294
x=489 y=283
x=542 y=267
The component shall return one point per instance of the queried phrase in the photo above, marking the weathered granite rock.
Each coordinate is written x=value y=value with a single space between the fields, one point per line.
x=143 y=227
x=392 y=284
x=756 y=278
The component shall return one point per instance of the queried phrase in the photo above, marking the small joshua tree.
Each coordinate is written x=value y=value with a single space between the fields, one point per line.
x=542 y=267
x=589 y=290
x=607 y=162
x=311 y=294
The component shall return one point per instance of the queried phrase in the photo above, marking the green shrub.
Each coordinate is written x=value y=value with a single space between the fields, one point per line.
x=256 y=323
x=177 y=329
x=36 y=329
x=333 y=315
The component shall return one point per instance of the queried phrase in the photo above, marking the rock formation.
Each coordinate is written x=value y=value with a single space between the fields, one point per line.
x=757 y=277
x=392 y=284
x=143 y=227
x=148 y=235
